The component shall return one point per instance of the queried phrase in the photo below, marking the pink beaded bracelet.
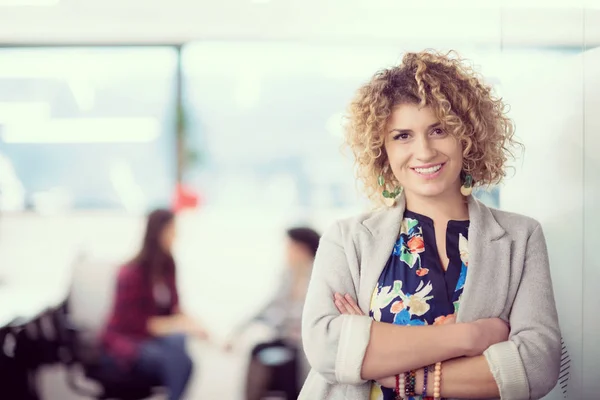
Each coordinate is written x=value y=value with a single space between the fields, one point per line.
x=437 y=381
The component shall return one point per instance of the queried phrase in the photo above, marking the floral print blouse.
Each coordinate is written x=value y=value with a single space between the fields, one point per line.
x=413 y=288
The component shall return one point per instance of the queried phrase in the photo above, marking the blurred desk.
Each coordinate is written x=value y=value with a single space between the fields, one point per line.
x=33 y=279
x=30 y=292
x=20 y=304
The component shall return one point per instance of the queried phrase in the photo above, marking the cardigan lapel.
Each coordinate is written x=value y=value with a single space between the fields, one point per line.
x=384 y=227
x=489 y=252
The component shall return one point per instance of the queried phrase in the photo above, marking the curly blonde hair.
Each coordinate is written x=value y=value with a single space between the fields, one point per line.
x=461 y=101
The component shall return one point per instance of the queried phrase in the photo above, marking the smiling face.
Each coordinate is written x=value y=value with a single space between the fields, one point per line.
x=425 y=159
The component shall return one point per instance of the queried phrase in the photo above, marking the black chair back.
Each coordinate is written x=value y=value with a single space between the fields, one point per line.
x=82 y=353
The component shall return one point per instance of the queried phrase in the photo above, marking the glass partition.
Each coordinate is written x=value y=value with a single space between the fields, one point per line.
x=87 y=128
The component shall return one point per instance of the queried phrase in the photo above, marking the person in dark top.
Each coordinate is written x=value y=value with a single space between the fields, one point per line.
x=279 y=365
x=145 y=333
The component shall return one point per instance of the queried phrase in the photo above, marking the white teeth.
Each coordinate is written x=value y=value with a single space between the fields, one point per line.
x=429 y=170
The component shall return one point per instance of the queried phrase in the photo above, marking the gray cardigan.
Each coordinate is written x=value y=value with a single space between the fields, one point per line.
x=509 y=277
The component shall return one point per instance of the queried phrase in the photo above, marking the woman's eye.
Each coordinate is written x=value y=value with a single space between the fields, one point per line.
x=401 y=136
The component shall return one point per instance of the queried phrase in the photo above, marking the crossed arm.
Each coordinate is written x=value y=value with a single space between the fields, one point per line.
x=463 y=376
x=351 y=349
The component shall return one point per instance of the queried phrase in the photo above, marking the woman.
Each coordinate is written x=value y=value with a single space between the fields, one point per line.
x=145 y=333
x=423 y=134
x=279 y=364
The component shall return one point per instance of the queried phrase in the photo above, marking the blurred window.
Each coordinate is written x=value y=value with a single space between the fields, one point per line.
x=87 y=128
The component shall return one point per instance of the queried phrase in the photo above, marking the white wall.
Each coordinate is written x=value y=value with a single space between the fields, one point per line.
x=557 y=183
x=524 y=23
x=591 y=217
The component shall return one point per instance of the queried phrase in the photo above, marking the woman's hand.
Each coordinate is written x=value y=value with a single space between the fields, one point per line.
x=176 y=323
x=192 y=327
x=346 y=305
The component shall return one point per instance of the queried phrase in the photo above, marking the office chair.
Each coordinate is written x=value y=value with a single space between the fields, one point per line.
x=80 y=353
x=16 y=377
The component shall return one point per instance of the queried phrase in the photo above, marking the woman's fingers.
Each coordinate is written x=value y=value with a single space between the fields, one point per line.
x=341 y=307
x=346 y=305
x=353 y=304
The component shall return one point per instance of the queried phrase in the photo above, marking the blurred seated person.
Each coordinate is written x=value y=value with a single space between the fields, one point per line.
x=145 y=335
x=279 y=365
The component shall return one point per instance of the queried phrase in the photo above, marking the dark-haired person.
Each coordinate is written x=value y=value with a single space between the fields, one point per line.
x=280 y=364
x=145 y=334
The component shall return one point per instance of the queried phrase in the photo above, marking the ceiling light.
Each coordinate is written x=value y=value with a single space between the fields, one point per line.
x=82 y=130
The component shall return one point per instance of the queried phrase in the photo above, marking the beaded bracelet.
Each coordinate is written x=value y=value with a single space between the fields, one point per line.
x=437 y=381
x=410 y=384
x=425 y=373
x=400 y=386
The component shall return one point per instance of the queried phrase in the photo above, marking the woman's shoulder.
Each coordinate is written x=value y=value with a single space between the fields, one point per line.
x=514 y=223
x=354 y=225
x=129 y=272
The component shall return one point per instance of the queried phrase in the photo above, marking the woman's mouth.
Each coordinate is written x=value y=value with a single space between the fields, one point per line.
x=429 y=171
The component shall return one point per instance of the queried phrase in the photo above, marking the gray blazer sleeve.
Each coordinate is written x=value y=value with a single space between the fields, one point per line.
x=334 y=344
x=527 y=366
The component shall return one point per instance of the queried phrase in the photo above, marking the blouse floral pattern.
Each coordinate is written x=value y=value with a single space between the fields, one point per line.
x=413 y=288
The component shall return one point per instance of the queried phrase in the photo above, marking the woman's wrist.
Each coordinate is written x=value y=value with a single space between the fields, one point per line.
x=460 y=339
x=425 y=381
x=419 y=380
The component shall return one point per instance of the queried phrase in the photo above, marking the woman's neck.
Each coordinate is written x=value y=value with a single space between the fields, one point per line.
x=444 y=208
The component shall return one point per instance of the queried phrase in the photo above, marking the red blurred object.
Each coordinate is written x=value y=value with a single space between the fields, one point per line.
x=185 y=198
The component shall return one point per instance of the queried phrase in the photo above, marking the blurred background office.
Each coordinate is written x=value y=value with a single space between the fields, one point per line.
x=231 y=113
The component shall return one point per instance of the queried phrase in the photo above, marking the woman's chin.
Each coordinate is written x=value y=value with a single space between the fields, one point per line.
x=430 y=191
